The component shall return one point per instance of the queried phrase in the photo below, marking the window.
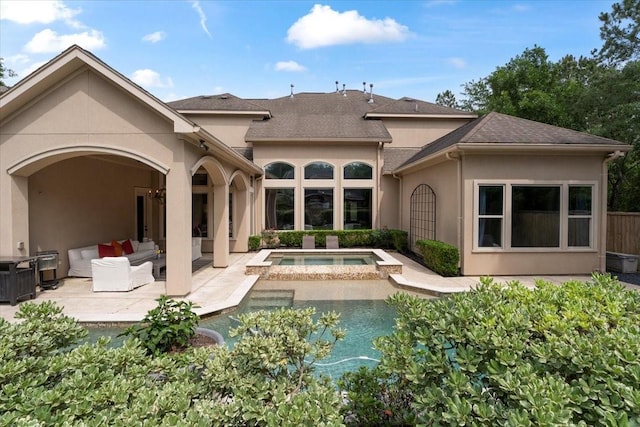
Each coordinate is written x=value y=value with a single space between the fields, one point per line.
x=279 y=205
x=522 y=216
x=490 y=215
x=318 y=208
x=318 y=170
x=357 y=208
x=279 y=170
x=579 y=223
x=535 y=217
x=358 y=170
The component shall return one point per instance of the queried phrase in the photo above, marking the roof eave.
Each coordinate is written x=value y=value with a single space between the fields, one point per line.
x=224 y=151
x=265 y=113
x=313 y=139
x=373 y=115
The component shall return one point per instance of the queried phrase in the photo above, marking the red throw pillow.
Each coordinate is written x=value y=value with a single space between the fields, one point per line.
x=117 y=248
x=127 y=247
x=106 y=250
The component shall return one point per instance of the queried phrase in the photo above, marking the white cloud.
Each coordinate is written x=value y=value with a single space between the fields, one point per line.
x=457 y=62
x=155 y=37
x=38 y=11
x=19 y=59
x=203 y=17
x=149 y=78
x=324 y=26
x=289 y=66
x=48 y=41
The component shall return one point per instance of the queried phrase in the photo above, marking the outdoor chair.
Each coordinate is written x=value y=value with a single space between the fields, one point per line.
x=332 y=242
x=308 y=242
x=115 y=274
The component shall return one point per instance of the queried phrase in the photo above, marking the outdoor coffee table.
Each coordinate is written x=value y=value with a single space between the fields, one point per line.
x=159 y=264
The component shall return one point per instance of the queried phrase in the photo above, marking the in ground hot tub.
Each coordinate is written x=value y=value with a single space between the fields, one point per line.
x=322 y=264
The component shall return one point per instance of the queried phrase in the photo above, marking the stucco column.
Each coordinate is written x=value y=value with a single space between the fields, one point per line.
x=14 y=215
x=178 y=231
x=221 y=225
x=241 y=206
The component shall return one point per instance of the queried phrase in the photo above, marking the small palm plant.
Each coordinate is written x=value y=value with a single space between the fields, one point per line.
x=168 y=326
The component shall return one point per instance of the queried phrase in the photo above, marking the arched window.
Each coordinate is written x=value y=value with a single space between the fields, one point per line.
x=358 y=170
x=279 y=170
x=318 y=170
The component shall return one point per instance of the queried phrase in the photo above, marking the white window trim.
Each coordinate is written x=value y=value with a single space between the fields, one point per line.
x=564 y=215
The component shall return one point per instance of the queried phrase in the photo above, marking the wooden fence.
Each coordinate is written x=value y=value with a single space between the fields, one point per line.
x=623 y=232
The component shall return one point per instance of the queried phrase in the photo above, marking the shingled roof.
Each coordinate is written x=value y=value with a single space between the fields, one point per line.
x=222 y=102
x=345 y=115
x=497 y=128
x=411 y=106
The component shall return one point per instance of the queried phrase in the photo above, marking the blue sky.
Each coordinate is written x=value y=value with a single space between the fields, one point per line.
x=257 y=49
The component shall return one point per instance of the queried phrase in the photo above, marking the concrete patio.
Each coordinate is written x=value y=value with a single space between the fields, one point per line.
x=217 y=290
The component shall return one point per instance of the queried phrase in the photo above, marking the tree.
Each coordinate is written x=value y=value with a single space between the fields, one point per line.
x=620 y=32
x=447 y=99
x=533 y=87
x=5 y=72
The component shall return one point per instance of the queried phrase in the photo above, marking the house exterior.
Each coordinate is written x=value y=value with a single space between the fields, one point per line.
x=82 y=147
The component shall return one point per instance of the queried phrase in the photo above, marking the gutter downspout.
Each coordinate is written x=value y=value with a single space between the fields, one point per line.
x=379 y=183
x=604 y=177
x=459 y=222
x=400 y=210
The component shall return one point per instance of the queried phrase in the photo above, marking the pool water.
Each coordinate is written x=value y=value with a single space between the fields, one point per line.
x=363 y=320
x=324 y=259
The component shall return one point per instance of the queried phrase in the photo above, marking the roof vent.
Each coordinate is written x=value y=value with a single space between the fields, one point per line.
x=344 y=89
x=364 y=87
x=370 y=101
x=224 y=97
x=291 y=96
x=337 y=90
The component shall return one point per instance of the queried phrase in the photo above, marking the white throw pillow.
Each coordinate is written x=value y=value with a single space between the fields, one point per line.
x=134 y=245
x=89 y=254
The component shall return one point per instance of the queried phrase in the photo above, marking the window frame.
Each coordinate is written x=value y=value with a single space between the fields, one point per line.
x=508 y=217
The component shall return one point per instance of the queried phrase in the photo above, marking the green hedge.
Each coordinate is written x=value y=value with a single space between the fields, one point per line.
x=505 y=355
x=382 y=239
x=440 y=257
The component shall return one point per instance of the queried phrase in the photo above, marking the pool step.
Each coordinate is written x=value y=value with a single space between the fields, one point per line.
x=269 y=300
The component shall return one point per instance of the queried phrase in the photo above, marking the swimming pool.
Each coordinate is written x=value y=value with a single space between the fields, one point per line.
x=320 y=264
x=363 y=320
x=354 y=258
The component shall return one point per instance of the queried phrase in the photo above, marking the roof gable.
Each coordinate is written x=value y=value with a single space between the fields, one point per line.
x=66 y=63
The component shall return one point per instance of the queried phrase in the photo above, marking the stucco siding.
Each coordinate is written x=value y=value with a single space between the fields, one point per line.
x=443 y=179
x=530 y=169
x=418 y=133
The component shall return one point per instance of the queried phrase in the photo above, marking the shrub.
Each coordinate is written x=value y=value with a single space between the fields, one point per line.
x=264 y=381
x=384 y=239
x=556 y=355
x=254 y=243
x=440 y=257
x=170 y=325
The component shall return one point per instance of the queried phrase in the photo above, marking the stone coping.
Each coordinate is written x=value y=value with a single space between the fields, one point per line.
x=384 y=266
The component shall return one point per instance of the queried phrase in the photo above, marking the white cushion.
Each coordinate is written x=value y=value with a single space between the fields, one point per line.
x=89 y=253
